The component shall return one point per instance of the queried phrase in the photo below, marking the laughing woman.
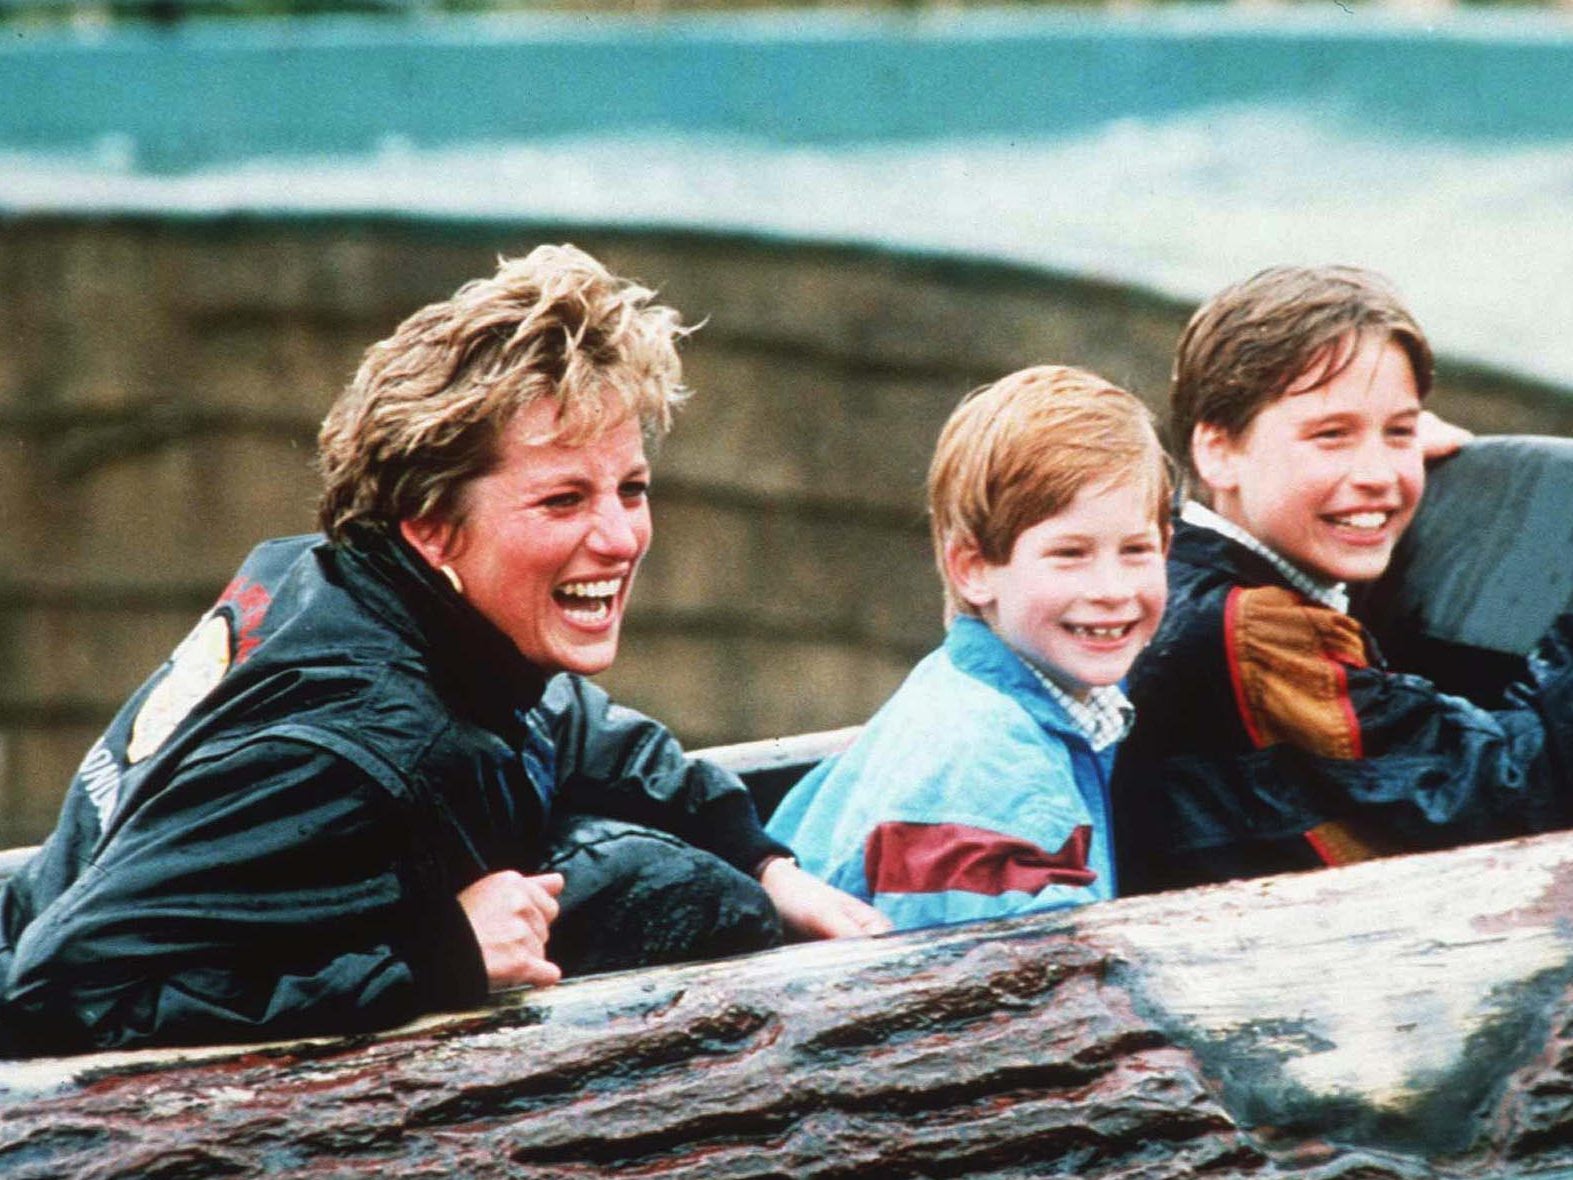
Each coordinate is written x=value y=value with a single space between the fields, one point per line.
x=360 y=789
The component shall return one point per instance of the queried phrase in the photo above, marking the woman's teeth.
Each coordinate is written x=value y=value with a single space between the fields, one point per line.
x=605 y=588
x=588 y=602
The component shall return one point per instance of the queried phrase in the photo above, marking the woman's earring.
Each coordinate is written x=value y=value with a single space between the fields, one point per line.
x=453 y=579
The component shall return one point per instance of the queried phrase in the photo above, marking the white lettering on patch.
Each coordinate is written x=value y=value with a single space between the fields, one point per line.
x=100 y=777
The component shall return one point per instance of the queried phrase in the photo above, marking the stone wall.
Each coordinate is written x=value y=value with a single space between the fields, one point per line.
x=161 y=383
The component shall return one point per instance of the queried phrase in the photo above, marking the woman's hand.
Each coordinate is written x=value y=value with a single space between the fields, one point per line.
x=1439 y=438
x=811 y=909
x=512 y=915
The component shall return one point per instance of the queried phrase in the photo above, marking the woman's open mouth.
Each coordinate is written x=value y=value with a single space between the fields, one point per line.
x=588 y=603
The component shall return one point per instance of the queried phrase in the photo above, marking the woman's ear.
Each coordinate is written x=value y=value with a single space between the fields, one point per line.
x=436 y=540
x=1215 y=457
x=969 y=572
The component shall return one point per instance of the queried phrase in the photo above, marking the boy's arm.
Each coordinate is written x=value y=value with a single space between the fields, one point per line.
x=1007 y=833
x=1363 y=761
x=926 y=874
x=1438 y=437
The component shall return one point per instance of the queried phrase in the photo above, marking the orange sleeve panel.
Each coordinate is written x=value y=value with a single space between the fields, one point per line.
x=1288 y=660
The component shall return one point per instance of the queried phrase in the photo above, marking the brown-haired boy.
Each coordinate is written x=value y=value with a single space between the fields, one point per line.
x=980 y=788
x=1270 y=735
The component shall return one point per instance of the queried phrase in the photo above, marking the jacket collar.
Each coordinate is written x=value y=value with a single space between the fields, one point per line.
x=1206 y=551
x=974 y=648
x=1202 y=562
x=1329 y=594
x=468 y=656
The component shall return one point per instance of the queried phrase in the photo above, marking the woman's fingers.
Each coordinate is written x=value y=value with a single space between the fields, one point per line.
x=537 y=903
x=511 y=916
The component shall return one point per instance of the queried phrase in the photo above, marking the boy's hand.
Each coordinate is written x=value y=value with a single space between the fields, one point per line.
x=1439 y=439
x=811 y=909
x=512 y=915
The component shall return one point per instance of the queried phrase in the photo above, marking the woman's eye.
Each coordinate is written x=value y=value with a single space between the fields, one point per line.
x=635 y=489
x=561 y=500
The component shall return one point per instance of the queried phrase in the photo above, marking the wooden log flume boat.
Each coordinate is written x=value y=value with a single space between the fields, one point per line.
x=1400 y=1019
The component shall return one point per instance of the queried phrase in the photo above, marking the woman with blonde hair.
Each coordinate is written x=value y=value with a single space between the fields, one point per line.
x=372 y=781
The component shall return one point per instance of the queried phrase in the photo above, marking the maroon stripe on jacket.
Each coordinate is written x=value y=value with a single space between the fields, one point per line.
x=930 y=858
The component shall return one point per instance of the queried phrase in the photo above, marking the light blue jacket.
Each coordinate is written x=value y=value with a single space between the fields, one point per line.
x=970 y=794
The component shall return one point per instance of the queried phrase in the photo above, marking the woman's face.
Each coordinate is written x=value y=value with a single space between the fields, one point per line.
x=551 y=540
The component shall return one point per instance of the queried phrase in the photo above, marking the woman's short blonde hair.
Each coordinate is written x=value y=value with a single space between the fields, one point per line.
x=424 y=414
x=1018 y=451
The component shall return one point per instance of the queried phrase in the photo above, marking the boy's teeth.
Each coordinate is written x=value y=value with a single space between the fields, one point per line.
x=1362 y=520
x=1114 y=632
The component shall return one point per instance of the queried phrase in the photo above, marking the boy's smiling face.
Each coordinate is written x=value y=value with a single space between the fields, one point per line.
x=1083 y=590
x=1327 y=476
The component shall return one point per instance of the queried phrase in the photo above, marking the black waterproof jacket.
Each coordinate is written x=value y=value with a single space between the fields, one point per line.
x=1271 y=735
x=269 y=838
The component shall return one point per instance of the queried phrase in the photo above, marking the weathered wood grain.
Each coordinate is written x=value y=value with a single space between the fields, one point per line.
x=1399 y=1019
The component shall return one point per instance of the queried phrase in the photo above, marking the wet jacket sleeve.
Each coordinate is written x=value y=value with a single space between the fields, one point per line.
x=1020 y=845
x=984 y=820
x=616 y=762
x=268 y=891
x=1365 y=761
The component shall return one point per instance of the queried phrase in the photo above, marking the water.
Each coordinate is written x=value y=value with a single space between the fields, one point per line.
x=1478 y=236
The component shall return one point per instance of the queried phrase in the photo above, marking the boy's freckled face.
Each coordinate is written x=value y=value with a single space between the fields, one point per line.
x=1084 y=589
x=1328 y=476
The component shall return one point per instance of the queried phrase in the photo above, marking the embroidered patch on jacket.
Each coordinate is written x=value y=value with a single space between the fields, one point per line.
x=198 y=664
x=931 y=858
x=1288 y=660
x=250 y=601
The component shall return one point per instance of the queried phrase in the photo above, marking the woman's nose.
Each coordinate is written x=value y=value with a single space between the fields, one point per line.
x=616 y=532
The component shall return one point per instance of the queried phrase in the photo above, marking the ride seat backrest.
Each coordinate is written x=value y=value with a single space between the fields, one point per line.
x=770 y=767
x=1484 y=569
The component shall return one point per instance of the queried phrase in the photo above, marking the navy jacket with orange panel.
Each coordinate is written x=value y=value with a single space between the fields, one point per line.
x=1272 y=736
